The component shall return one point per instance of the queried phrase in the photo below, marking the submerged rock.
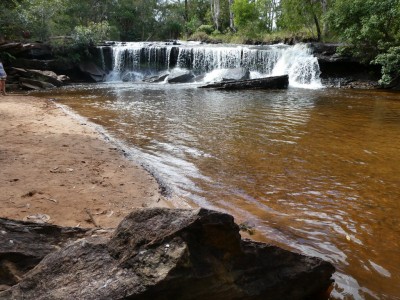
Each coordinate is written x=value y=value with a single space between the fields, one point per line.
x=174 y=254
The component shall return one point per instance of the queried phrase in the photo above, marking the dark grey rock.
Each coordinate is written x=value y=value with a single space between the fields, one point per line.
x=157 y=78
x=92 y=71
x=174 y=254
x=36 y=83
x=24 y=244
x=273 y=82
x=180 y=76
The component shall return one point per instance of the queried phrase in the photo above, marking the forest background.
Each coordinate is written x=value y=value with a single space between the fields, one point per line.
x=368 y=30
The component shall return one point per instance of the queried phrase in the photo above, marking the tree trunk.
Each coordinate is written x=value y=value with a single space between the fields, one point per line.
x=215 y=11
x=317 y=26
x=186 y=17
x=324 y=5
x=231 y=16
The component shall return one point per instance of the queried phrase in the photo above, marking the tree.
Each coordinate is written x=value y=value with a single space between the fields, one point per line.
x=368 y=27
x=215 y=12
x=10 y=28
x=370 y=30
x=38 y=16
x=299 y=14
x=268 y=11
x=245 y=12
x=231 y=16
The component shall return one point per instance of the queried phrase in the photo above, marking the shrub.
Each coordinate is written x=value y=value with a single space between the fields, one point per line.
x=199 y=36
x=390 y=62
x=91 y=34
x=208 y=29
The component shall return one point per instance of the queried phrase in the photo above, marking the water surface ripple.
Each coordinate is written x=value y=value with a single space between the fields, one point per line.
x=314 y=171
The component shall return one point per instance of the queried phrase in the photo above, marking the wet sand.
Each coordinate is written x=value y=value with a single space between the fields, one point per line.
x=56 y=169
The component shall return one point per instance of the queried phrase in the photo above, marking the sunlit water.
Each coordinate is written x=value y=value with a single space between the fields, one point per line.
x=315 y=171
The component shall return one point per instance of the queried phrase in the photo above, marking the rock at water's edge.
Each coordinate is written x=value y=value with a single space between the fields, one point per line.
x=174 y=254
x=180 y=76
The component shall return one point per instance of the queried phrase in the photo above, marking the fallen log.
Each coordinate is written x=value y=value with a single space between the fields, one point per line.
x=273 y=82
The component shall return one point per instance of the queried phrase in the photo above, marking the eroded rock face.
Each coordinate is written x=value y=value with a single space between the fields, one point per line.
x=338 y=70
x=24 y=244
x=174 y=254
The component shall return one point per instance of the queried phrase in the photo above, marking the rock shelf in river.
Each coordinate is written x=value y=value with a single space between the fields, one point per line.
x=273 y=82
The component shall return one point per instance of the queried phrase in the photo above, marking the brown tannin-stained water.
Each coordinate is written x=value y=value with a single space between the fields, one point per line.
x=315 y=171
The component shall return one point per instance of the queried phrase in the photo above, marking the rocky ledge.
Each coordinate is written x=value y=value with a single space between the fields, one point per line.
x=341 y=71
x=153 y=254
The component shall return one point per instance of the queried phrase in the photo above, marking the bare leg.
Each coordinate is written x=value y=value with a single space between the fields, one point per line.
x=3 y=87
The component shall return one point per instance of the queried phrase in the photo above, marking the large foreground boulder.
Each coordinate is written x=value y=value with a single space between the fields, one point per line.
x=24 y=244
x=174 y=254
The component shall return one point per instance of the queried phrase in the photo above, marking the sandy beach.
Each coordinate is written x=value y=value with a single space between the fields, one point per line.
x=56 y=169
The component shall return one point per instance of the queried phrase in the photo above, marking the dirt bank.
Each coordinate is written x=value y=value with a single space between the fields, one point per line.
x=52 y=166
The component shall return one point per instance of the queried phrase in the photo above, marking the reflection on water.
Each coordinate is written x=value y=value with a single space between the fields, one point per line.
x=314 y=171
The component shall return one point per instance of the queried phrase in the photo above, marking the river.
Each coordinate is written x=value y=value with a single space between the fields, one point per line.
x=314 y=171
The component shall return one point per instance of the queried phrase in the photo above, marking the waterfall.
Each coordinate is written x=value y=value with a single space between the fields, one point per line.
x=102 y=60
x=133 y=59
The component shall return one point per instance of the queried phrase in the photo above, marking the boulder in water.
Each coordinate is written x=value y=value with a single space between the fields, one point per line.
x=157 y=78
x=236 y=74
x=173 y=253
x=273 y=82
x=180 y=76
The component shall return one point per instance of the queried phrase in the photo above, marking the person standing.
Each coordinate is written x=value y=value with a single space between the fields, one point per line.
x=3 y=77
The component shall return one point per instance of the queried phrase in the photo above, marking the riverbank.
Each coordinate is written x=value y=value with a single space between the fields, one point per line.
x=59 y=170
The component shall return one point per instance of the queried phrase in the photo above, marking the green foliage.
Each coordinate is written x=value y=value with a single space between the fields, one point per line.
x=299 y=14
x=370 y=30
x=390 y=62
x=208 y=29
x=368 y=27
x=91 y=34
x=200 y=36
x=193 y=24
x=38 y=16
x=245 y=12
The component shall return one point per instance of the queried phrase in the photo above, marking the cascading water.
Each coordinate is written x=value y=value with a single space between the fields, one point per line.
x=102 y=60
x=133 y=61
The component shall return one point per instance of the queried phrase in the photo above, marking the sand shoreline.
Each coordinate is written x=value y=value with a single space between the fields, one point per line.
x=52 y=165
